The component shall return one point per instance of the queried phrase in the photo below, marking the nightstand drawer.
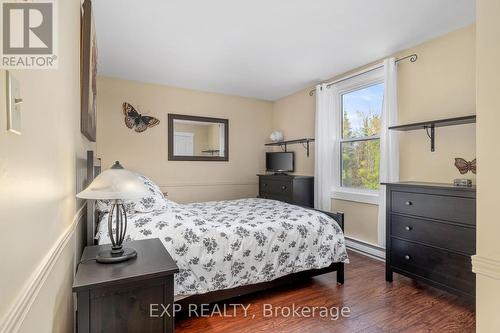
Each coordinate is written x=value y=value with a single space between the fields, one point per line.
x=125 y=308
x=448 y=208
x=446 y=268
x=444 y=235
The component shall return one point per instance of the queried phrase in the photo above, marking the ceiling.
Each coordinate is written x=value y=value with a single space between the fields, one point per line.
x=261 y=48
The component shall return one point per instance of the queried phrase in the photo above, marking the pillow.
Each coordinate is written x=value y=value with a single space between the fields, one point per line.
x=152 y=202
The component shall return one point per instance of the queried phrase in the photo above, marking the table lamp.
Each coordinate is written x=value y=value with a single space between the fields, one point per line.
x=116 y=184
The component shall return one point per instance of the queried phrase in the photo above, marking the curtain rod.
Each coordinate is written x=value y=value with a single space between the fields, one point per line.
x=411 y=57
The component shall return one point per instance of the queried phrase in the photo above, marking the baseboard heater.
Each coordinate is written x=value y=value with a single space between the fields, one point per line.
x=367 y=249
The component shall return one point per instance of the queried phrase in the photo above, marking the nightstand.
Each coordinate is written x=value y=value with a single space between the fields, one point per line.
x=119 y=297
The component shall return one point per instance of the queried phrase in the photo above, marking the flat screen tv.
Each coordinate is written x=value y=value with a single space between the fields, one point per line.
x=280 y=162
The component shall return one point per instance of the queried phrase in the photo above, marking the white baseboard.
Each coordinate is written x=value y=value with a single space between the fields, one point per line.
x=22 y=305
x=367 y=249
x=486 y=266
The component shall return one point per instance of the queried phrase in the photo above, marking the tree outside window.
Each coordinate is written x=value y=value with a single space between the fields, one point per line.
x=360 y=139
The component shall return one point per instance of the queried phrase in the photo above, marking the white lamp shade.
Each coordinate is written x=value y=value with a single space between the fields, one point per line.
x=115 y=184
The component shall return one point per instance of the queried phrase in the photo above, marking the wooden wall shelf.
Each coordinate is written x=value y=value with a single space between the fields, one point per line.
x=432 y=124
x=435 y=123
x=283 y=144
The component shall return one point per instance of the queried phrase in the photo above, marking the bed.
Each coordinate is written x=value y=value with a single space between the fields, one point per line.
x=230 y=248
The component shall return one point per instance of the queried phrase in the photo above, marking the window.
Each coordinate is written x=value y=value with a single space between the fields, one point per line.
x=360 y=111
x=357 y=110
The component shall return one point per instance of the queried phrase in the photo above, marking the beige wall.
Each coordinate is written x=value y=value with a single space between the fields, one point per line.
x=487 y=262
x=39 y=180
x=440 y=84
x=249 y=127
x=294 y=116
x=361 y=220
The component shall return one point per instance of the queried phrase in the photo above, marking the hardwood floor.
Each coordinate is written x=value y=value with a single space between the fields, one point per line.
x=375 y=306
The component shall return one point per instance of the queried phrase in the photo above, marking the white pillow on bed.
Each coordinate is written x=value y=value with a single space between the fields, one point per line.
x=153 y=202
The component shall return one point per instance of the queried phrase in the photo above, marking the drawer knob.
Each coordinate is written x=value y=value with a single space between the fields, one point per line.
x=265 y=185
x=283 y=187
x=408 y=228
x=408 y=203
x=407 y=257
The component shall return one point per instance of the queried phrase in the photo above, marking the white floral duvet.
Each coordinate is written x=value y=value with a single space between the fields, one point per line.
x=225 y=244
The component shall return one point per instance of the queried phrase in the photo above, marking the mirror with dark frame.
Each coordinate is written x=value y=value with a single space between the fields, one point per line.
x=193 y=138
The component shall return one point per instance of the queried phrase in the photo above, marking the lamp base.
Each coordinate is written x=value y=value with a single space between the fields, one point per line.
x=107 y=257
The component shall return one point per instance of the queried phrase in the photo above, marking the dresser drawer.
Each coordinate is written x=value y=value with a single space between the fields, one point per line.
x=264 y=186
x=293 y=189
x=447 y=236
x=275 y=186
x=284 y=188
x=448 y=208
x=446 y=268
x=273 y=196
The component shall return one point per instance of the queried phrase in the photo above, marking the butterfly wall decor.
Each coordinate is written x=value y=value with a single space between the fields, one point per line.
x=463 y=166
x=137 y=120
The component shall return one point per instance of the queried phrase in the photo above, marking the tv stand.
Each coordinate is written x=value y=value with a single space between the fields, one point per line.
x=293 y=189
x=280 y=174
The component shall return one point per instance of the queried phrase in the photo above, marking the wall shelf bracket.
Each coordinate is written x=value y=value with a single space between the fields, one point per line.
x=306 y=147
x=432 y=136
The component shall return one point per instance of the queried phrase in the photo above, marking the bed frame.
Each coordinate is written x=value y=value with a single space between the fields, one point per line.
x=94 y=168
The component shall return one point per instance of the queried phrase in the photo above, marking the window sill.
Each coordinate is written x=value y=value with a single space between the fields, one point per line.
x=368 y=197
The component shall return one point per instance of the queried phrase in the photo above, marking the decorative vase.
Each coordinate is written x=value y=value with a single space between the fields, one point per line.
x=276 y=136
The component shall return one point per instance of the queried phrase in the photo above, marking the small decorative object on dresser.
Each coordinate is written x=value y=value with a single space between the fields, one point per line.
x=293 y=189
x=462 y=182
x=276 y=136
x=122 y=297
x=115 y=184
x=431 y=234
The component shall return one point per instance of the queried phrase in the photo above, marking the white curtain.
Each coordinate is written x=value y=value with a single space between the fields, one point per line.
x=324 y=147
x=389 y=144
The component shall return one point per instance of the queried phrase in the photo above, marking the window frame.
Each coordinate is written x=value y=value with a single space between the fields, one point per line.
x=338 y=191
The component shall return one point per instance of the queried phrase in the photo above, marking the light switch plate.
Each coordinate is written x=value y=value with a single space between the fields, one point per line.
x=14 y=102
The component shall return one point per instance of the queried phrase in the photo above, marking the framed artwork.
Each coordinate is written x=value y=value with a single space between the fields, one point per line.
x=88 y=59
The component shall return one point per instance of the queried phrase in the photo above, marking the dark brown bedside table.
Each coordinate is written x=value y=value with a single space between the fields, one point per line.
x=118 y=297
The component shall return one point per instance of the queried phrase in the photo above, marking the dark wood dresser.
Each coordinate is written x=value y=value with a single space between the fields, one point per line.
x=431 y=234
x=118 y=297
x=293 y=189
